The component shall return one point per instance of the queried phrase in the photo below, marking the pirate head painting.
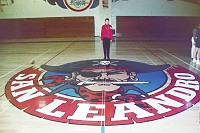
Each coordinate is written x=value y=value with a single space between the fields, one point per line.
x=96 y=81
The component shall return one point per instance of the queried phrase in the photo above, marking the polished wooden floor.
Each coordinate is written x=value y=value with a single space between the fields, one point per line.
x=16 y=55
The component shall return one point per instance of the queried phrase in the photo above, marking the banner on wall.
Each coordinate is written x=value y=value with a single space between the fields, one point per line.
x=6 y=2
x=105 y=3
x=75 y=5
x=192 y=1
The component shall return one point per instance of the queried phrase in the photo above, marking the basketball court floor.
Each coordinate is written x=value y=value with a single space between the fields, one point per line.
x=23 y=110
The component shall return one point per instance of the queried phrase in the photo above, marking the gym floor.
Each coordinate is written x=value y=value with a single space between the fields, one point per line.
x=17 y=55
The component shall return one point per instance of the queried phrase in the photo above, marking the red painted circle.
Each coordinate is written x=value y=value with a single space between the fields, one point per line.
x=78 y=10
x=25 y=91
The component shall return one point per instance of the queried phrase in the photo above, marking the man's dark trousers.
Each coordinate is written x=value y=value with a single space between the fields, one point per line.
x=106 y=48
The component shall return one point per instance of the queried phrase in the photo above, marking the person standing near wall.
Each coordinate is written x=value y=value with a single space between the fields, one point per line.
x=193 y=45
x=106 y=38
x=196 y=37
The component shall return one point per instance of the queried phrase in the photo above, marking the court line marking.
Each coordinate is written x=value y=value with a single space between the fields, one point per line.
x=51 y=41
x=60 y=60
x=23 y=64
x=41 y=61
x=62 y=57
x=150 y=59
x=179 y=59
x=26 y=63
x=103 y=111
x=5 y=109
x=18 y=68
x=47 y=57
x=11 y=71
x=142 y=44
x=4 y=92
x=59 y=53
x=40 y=55
x=168 y=59
x=2 y=95
x=144 y=48
x=140 y=48
x=163 y=56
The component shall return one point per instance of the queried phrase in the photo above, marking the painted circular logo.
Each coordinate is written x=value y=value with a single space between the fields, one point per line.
x=96 y=92
x=78 y=5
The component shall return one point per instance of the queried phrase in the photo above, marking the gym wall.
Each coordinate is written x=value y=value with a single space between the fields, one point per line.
x=38 y=12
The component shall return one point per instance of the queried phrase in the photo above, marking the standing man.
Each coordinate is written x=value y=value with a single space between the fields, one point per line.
x=106 y=37
x=196 y=56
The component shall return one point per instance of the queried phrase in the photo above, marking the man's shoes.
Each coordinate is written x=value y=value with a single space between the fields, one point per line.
x=108 y=59
x=194 y=60
x=198 y=62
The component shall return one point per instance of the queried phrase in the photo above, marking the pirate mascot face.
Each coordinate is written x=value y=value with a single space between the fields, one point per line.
x=103 y=78
x=93 y=79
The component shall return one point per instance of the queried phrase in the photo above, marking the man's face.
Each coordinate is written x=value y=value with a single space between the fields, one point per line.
x=107 y=22
x=103 y=78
